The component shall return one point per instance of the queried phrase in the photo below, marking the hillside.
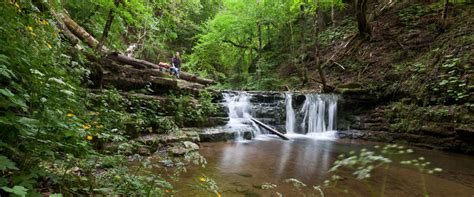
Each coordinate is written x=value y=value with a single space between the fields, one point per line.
x=417 y=72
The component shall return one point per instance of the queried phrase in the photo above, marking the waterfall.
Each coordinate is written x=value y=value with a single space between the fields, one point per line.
x=239 y=112
x=316 y=115
x=290 y=114
x=317 y=110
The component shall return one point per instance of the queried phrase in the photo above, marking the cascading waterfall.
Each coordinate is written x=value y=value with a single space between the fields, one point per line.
x=239 y=112
x=316 y=115
x=290 y=114
x=319 y=113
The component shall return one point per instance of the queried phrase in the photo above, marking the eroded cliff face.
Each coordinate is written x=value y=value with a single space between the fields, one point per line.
x=437 y=126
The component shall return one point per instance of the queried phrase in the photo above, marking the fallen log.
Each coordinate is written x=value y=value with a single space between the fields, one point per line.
x=272 y=130
x=157 y=84
x=80 y=32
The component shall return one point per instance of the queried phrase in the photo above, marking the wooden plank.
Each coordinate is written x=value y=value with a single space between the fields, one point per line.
x=272 y=130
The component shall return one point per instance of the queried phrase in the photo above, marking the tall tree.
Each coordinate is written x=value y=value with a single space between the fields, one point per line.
x=361 y=17
x=303 y=42
x=317 y=49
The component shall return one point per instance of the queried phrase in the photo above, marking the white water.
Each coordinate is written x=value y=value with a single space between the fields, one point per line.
x=315 y=118
x=319 y=113
x=239 y=113
x=290 y=114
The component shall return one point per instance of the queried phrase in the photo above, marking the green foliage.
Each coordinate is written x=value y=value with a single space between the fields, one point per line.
x=453 y=83
x=51 y=127
x=228 y=48
x=37 y=91
x=412 y=13
x=408 y=117
x=114 y=116
x=207 y=184
x=16 y=190
x=188 y=110
x=335 y=33
x=6 y=164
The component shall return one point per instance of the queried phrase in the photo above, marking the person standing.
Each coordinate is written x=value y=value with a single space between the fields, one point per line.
x=176 y=64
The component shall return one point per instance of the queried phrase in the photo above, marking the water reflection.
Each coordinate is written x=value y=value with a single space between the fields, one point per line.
x=301 y=157
x=240 y=168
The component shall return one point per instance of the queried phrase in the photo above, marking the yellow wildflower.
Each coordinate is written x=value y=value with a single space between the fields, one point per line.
x=44 y=22
x=29 y=28
x=202 y=179
x=86 y=126
x=89 y=138
x=218 y=194
x=49 y=46
x=70 y=115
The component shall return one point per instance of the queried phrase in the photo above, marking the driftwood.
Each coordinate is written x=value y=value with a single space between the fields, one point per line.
x=80 y=32
x=272 y=130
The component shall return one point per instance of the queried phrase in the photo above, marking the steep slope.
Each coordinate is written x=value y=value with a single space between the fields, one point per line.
x=417 y=72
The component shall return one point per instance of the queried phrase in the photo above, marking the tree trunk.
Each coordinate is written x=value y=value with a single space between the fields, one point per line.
x=259 y=35
x=303 y=44
x=137 y=63
x=108 y=24
x=333 y=20
x=82 y=33
x=445 y=10
x=272 y=130
x=317 y=49
x=361 y=16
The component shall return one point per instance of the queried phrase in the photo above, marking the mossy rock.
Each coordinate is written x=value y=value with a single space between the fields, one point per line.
x=351 y=85
x=352 y=88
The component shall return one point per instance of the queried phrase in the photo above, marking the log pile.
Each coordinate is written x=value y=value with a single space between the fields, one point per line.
x=142 y=73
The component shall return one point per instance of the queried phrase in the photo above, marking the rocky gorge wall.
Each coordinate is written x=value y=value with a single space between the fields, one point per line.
x=362 y=116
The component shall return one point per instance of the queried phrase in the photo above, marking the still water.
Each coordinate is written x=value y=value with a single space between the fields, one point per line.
x=240 y=168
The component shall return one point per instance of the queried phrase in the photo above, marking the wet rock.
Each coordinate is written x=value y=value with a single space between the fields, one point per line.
x=442 y=130
x=298 y=99
x=465 y=133
x=179 y=149
x=266 y=97
x=221 y=134
x=222 y=110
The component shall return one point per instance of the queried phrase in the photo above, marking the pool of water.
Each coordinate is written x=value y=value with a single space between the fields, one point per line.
x=240 y=168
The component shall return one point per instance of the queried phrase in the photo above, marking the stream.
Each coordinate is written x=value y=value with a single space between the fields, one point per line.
x=241 y=166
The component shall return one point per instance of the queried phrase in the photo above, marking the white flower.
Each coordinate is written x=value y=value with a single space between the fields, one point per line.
x=58 y=81
x=36 y=72
x=67 y=92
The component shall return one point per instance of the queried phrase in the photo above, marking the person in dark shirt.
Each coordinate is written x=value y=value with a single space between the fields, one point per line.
x=176 y=64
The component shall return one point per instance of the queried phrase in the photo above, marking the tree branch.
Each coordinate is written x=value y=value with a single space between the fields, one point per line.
x=238 y=45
